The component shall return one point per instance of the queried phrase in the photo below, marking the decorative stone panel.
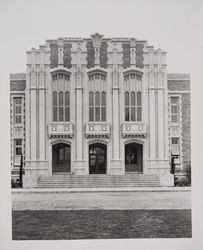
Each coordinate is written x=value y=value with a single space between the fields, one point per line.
x=60 y=129
x=134 y=129
x=175 y=131
x=17 y=132
x=97 y=130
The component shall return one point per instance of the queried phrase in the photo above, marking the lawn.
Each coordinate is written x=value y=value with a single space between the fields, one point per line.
x=100 y=224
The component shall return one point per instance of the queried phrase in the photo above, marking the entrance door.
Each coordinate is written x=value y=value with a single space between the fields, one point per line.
x=97 y=159
x=61 y=158
x=133 y=157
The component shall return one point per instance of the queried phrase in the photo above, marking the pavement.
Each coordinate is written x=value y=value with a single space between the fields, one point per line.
x=74 y=199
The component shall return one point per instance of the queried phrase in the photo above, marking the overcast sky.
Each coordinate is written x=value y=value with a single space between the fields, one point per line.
x=173 y=26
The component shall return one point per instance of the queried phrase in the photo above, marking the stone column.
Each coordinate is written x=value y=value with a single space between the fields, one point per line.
x=116 y=167
x=30 y=177
x=79 y=167
x=42 y=118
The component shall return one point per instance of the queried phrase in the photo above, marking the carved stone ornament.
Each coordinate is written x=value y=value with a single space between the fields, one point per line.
x=60 y=42
x=133 y=42
x=97 y=38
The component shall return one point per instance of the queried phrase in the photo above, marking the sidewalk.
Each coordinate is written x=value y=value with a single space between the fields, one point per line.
x=87 y=190
x=56 y=199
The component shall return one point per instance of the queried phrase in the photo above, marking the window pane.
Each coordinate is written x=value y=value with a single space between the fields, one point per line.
x=18 y=119
x=61 y=99
x=139 y=98
x=174 y=109
x=60 y=114
x=133 y=98
x=19 y=142
x=97 y=114
x=133 y=114
x=91 y=114
x=54 y=114
x=61 y=154
x=97 y=99
x=103 y=99
x=67 y=114
x=174 y=118
x=103 y=114
x=126 y=99
x=18 y=100
x=18 y=151
x=126 y=114
x=18 y=110
x=91 y=99
x=174 y=99
x=175 y=141
x=139 y=114
x=54 y=99
x=67 y=98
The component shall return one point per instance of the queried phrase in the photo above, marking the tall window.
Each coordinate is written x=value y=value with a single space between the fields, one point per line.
x=175 y=146
x=175 y=109
x=17 y=110
x=133 y=99
x=97 y=98
x=61 y=98
x=18 y=146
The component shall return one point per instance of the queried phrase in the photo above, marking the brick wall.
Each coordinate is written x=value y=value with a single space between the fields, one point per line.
x=103 y=55
x=186 y=129
x=90 y=54
x=67 y=55
x=126 y=55
x=178 y=85
x=54 y=55
x=139 y=55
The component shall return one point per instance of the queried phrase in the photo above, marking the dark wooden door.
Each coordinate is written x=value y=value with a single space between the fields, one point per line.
x=61 y=158
x=97 y=159
x=133 y=157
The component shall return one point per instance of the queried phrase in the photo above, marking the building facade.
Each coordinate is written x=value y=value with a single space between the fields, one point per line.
x=99 y=106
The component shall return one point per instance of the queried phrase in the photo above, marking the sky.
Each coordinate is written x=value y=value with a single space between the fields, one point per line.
x=175 y=26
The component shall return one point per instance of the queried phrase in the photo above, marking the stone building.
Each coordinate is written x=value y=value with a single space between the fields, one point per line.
x=99 y=106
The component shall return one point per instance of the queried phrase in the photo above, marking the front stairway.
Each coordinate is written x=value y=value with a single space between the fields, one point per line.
x=98 y=181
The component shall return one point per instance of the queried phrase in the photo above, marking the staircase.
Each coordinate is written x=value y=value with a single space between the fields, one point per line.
x=98 y=181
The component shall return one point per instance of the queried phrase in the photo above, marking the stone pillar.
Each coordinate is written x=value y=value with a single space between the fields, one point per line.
x=116 y=167
x=30 y=177
x=79 y=167
x=42 y=118
x=158 y=162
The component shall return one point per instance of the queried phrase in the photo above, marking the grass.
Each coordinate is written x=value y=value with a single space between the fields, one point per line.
x=100 y=224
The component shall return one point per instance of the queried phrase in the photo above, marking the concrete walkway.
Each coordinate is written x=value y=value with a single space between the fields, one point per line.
x=61 y=199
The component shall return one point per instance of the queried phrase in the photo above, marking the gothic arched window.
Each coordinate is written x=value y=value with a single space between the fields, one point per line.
x=97 y=97
x=61 y=97
x=133 y=98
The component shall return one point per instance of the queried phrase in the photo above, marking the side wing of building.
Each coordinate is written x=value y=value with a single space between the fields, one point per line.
x=180 y=122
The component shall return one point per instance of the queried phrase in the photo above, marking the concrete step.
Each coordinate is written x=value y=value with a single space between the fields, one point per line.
x=98 y=181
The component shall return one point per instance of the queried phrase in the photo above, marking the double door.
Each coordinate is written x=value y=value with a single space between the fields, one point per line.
x=97 y=159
